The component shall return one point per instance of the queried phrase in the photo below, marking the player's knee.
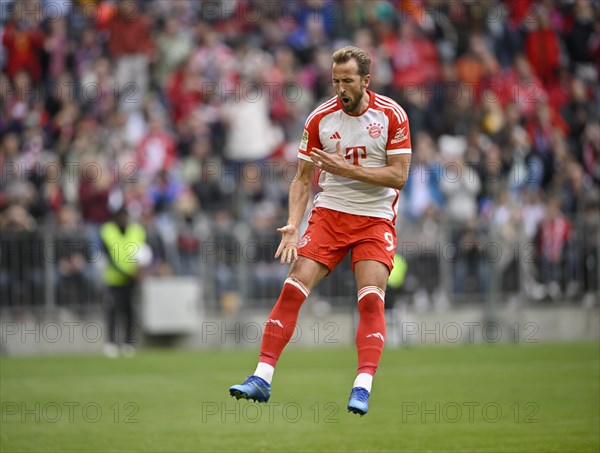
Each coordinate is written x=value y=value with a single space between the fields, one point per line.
x=373 y=306
x=307 y=272
x=301 y=279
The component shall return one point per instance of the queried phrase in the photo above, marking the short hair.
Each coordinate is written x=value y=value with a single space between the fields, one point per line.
x=362 y=58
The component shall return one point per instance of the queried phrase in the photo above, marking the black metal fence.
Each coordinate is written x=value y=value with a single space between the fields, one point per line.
x=447 y=263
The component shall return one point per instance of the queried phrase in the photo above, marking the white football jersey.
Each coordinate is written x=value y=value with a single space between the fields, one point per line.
x=366 y=140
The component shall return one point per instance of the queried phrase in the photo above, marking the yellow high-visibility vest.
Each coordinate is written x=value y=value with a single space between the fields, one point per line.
x=398 y=274
x=122 y=248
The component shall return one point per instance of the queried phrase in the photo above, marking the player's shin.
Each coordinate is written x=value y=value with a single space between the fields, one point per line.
x=370 y=335
x=280 y=326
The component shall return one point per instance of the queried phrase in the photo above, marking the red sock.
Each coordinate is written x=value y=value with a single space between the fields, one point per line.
x=370 y=335
x=282 y=321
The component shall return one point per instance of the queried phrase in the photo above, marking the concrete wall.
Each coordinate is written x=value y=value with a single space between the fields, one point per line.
x=171 y=314
x=476 y=324
x=62 y=332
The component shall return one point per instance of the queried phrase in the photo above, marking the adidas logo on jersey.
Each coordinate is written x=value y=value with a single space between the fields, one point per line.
x=336 y=136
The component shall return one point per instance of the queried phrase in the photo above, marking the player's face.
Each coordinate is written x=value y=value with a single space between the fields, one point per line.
x=349 y=85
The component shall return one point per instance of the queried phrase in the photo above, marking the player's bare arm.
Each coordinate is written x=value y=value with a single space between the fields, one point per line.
x=394 y=174
x=298 y=199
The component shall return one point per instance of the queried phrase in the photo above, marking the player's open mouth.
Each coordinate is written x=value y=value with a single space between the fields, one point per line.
x=345 y=100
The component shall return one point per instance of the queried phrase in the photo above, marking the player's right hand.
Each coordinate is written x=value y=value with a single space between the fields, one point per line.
x=288 y=247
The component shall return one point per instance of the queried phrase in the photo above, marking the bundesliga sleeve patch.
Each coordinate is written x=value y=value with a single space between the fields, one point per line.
x=400 y=135
x=304 y=141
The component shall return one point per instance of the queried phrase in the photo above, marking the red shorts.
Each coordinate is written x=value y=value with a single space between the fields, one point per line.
x=331 y=234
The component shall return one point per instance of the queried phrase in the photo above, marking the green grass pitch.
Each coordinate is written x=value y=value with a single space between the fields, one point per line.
x=483 y=398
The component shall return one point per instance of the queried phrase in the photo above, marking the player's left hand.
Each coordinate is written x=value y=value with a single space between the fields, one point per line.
x=334 y=163
x=288 y=247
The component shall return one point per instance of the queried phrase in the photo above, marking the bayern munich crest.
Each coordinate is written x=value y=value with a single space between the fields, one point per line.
x=374 y=130
x=305 y=240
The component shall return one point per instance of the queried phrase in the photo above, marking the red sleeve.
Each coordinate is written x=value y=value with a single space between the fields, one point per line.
x=37 y=37
x=559 y=122
x=171 y=155
x=140 y=154
x=568 y=231
x=85 y=191
x=310 y=137
x=398 y=132
x=113 y=44
x=147 y=44
x=8 y=37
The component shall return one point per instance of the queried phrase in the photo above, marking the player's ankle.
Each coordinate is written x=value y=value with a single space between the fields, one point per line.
x=265 y=371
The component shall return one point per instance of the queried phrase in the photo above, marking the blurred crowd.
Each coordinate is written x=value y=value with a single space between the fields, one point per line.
x=189 y=113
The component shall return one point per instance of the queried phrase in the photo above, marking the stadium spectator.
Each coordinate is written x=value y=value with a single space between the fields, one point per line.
x=578 y=112
x=94 y=191
x=555 y=257
x=578 y=37
x=188 y=242
x=62 y=100
x=184 y=90
x=413 y=58
x=86 y=54
x=56 y=46
x=156 y=151
x=21 y=266
x=422 y=191
x=76 y=283
x=267 y=276
x=519 y=85
x=24 y=41
x=422 y=249
x=174 y=43
x=461 y=185
x=163 y=191
x=222 y=245
x=471 y=270
x=477 y=65
x=542 y=46
x=160 y=263
x=506 y=234
x=131 y=47
x=590 y=246
x=591 y=152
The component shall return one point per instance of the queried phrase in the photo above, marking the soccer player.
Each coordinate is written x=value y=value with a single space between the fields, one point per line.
x=359 y=143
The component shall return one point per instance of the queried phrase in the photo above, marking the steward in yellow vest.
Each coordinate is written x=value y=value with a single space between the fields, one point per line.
x=395 y=281
x=121 y=241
